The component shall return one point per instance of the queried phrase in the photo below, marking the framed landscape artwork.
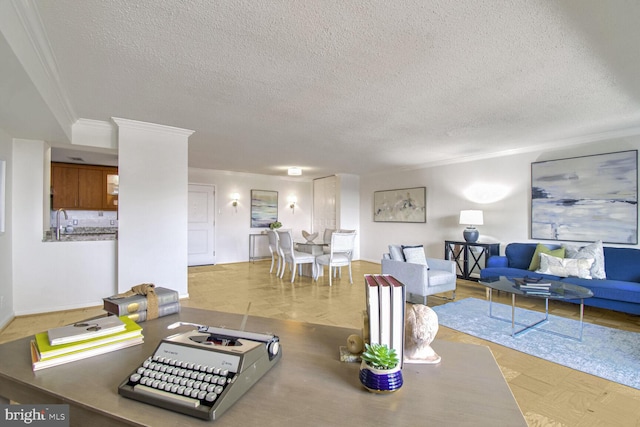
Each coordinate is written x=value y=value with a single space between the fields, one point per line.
x=587 y=198
x=264 y=208
x=402 y=205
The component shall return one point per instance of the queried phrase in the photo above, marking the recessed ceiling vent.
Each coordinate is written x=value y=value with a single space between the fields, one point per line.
x=76 y=159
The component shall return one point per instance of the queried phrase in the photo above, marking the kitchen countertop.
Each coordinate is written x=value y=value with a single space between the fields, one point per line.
x=83 y=234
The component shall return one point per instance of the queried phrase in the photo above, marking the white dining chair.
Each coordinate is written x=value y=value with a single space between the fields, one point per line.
x=340 y=254
x=293 y=257
x=274 y=243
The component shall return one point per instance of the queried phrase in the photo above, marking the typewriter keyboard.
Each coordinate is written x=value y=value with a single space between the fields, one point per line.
x=184 y=383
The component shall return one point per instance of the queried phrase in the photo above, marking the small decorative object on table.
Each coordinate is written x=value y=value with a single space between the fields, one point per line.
x=421 y=327
x=309 y=237
x=275 y=225
x=380 y=370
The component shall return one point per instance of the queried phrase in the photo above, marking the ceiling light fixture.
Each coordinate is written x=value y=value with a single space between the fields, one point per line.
x=295 y=171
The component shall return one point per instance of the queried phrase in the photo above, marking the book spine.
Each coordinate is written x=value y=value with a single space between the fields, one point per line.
x=398 y=299
x=138 y=303
x=163 y=310
x=373 y=310
x=384 y=297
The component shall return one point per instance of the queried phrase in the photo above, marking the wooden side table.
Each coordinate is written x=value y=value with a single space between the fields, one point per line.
x=470 y=258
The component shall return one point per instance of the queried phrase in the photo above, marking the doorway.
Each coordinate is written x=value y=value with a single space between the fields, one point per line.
x=201 y=237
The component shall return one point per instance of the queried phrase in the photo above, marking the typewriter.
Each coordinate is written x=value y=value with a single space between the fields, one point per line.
x=203 y=372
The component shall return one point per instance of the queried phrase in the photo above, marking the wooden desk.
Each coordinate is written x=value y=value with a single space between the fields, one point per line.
x=308 y=387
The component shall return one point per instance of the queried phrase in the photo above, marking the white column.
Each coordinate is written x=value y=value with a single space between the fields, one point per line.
x=152 y=205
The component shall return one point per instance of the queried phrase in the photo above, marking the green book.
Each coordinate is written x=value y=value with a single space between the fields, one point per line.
x=48 y=351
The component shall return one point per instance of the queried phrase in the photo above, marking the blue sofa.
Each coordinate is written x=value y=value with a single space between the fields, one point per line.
x=620 y=290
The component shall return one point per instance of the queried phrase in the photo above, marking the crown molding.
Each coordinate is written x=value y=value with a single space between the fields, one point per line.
x=151 y=127
x=22 y=27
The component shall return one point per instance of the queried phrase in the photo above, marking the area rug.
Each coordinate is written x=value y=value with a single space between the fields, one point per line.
x=608 y=353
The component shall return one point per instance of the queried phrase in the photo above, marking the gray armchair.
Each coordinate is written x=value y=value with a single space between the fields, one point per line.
x=420 y=280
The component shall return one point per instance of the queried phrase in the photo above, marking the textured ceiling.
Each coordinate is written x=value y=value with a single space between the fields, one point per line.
x=352 y=86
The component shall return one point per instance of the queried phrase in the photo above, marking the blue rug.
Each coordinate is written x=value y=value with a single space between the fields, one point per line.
x=608 y=353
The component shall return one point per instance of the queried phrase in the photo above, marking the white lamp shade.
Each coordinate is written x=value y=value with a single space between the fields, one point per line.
x=471 y=217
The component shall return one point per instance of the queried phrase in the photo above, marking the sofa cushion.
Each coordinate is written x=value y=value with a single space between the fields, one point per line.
x=622 y=264
x=542 y=249
x=593 y=251
x=617 y=290
x=513 y=273
x=415 y=255
x=565 y=267
x=395 y=251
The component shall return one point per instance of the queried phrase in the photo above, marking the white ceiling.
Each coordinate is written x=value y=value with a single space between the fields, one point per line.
x=338 y=86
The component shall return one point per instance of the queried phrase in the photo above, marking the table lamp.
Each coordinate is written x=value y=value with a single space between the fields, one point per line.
x=471 y=218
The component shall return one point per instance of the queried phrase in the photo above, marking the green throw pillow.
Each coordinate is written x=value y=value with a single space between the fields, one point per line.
x=542 y=249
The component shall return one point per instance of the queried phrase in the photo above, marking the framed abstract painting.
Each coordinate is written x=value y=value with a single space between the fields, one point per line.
x=264 y=208
x=402 y=205
x=586 y=198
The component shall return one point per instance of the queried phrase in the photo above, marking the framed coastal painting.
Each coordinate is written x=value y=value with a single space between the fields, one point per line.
x=264 y=208
x=402 y=205
x=586 y=198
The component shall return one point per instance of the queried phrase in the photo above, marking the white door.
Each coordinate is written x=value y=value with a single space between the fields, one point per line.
x=201 y=225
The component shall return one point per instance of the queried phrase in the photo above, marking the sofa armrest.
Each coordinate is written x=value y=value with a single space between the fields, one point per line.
x=441 y=264
x=497 y=261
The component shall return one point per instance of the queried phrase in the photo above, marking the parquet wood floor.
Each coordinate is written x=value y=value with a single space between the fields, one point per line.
x=548 y=394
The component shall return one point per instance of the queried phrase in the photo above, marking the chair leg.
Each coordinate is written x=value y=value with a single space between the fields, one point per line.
x=330 y=269
x=272 y=262
x=293 y=272
x=350 y=276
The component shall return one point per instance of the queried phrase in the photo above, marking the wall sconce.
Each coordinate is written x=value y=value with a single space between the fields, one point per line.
x=292 y=203
x=234 y=198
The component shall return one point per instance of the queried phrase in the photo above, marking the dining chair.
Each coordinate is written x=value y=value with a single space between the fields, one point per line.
x=340 y=254
x=293 y=257
x=274 y=243
x=326 y=239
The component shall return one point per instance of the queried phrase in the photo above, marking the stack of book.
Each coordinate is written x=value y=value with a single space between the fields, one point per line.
x=135 y=307
x=384 y=322
x=82 y=340
x=532 y=286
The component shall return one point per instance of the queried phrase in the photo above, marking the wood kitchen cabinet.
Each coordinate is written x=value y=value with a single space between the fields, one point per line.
x=82 y=187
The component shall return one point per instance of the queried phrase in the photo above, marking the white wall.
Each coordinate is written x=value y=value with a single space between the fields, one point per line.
x=50 y=276
x=6 y=256
x=233 y=226
x=152 y=205
x=505 y=221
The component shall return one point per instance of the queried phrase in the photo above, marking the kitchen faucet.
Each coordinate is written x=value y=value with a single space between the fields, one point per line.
x=58 y=221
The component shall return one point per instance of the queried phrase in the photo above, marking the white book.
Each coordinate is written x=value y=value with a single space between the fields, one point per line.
x=384 y=296
x=85 y=330
x=373 y=310
x=398 y=298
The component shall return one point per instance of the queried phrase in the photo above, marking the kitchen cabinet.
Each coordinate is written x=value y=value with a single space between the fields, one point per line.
x=83 y=187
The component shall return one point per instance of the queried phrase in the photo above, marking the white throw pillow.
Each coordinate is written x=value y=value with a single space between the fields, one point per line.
x=415 y=255
x=593 y=251
x=565 y=267
x=395 y=251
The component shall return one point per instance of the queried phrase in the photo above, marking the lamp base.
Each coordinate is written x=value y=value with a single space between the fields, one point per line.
x=471 y=234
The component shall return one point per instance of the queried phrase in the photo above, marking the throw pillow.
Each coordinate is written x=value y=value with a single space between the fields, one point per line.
x=594 y=251
x=565 y=267
x=415 y=255
x=396 y=253
x=542 y=249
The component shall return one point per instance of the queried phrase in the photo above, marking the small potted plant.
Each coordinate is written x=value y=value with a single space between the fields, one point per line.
x=275 y=225
x=380 y=370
